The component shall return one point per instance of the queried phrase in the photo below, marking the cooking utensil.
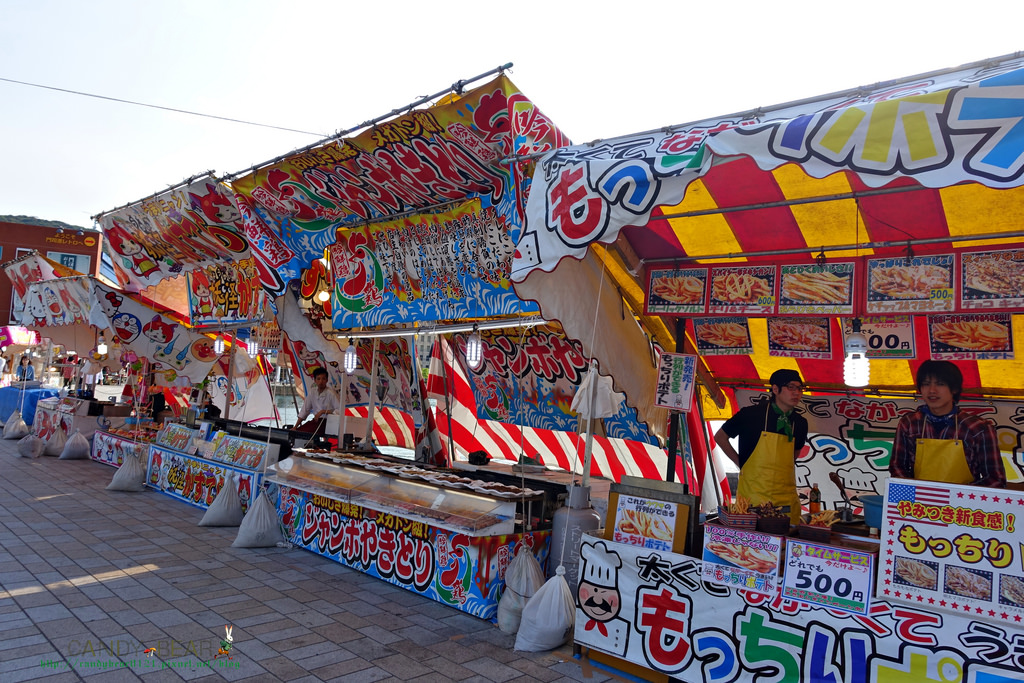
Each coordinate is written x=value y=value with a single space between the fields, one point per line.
x=845 y=513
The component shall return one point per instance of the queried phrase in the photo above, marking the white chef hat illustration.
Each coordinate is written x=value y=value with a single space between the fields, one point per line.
x=599 y=565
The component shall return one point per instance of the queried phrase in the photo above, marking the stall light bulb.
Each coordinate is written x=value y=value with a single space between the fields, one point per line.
x=856 y=368
x=218 y=345
x=323 y=295
x=254 y=348
x=101 y=345
x=474 y=350
x=351 y=359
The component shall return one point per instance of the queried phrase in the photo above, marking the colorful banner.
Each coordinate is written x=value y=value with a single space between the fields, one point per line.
x=17 y=335
x=112 y=450
x=461 y=571
x=197 y=481
x=974 y=336
x=653 y=609
x=195 y=226
x=63 y=301
x=225 y=294
x=743 y=289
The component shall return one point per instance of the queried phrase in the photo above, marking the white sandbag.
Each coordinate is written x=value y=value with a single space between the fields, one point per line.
x=226 y=509
x=31 y=446
x=523 y=578
x=15 y=427
x=260 y=528
x=548 y=616
x=55 y=444
x=130 y=476
x=77 y=447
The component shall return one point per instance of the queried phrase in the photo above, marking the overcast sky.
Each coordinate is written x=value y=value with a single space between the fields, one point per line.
x=598 y=69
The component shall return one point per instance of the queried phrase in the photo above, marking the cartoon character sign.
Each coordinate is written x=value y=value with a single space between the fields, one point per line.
x=126 y=327
x=202 y=302
x=132 y=256
x=158 y=331
x=214 y=206
x=599 y=596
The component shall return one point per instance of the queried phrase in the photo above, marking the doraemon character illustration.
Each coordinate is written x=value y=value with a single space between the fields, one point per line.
x=126 y=327
x=599 y=597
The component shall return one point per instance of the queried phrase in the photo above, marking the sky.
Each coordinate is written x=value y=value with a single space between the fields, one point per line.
x=597 y=69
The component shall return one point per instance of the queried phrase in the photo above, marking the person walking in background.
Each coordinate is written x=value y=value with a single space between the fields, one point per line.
x=26 y=372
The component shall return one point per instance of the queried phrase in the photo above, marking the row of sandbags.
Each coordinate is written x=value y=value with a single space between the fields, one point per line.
x=541 y=614
x=75 y=447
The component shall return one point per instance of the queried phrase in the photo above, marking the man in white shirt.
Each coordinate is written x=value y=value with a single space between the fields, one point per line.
x=321 y=401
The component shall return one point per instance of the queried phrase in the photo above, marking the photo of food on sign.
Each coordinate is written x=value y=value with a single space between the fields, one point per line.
x=1011 y=590
x=799 y=334
x=722 y=333
x=968 y=583
x=980 y=332
x=678 y=288
x=917 y=573
x=738 y=555
x=740 y=288
x=810 y=287
x=997 y=274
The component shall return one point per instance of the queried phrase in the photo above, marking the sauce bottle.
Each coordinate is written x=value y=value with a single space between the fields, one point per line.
x=814 y=498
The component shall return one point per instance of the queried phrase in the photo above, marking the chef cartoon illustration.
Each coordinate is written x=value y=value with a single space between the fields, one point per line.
x=599 y=598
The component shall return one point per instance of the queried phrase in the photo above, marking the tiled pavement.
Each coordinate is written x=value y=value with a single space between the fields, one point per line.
x=89 y=578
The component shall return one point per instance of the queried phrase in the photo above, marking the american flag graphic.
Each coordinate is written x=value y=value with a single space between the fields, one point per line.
x=913 y=493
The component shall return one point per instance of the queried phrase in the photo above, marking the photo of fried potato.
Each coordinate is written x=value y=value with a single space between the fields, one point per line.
x=761 y=561
x=798 y=336
x=1011 y=590
x=960 y=581
x=916 y=573
x=739 y=288
x=823 y=287
x=639 y=523
x=975 y=335
x=994 y=275
x=679 y=290
x=723 y=334
x=908 y=282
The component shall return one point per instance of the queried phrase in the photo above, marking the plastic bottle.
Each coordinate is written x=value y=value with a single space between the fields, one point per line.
x=567 y=538
x=814 y=499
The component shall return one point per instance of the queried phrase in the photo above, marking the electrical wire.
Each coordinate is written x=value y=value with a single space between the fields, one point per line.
x=157 y=106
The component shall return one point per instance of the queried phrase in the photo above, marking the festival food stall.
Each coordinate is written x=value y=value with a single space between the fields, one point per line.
x=751 y=243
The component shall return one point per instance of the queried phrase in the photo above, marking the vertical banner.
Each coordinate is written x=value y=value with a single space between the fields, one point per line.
x=677 y=374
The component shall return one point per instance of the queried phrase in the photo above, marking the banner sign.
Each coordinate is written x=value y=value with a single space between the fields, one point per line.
x=958 y=548
x=112 y=450
x=723 y=336
x=831 y=576
x=888 y=336
x=743 y=289
x=63 y=301
x=677 y=375
x=973 y=336
x=800 y=337
x=195 y=480
x=922 y=284
x=458 y=570
x=653 y=609
x=226 y=293
x=746 y=559
x=676 y=291
x=195 y=226
x=813 y=289
x=992 y=279
x=426 y=267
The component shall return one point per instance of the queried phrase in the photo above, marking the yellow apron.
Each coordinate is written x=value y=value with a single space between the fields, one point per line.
x=942 y=459
x=770 y=474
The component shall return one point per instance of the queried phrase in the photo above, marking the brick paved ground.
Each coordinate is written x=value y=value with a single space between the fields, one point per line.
x=89 y=577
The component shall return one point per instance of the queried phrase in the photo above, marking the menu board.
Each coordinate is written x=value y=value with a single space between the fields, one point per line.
x=242 y=452
x=830 y=576
x=722 y=336
x=645 y=522
x=889 y=336
x=676 y=291
x=741 y=559
x=971 y=336
x=677 y=373
x=813 y=289
x=992 y=279
x=749 y=290
x=953 y=548
x=922 y=284
x=800 y=337
x=176 y=436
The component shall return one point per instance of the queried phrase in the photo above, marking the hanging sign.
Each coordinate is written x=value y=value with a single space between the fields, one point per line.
x=676 y=291
x=917 y=285
x=888 y=336
x=722 y=336
x=830 y=576
x=747 y=289
x=812 y=289
x=741 y=559
x=973 y=336
x=676 y=375
x=800 y=337
x=992 y=279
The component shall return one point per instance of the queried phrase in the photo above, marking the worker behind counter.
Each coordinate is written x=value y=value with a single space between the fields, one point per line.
x=938 y=442
x=321 y=401
x=771 y=435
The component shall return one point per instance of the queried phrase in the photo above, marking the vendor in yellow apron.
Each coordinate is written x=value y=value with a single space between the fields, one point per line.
x=769 y=474
x=942 y=459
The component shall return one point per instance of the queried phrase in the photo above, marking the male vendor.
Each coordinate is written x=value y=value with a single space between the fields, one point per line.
x=938 y=442
x=321 y=401
x=771 y=435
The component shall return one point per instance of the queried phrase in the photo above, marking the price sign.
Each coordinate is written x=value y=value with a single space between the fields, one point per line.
x=888 y=336
x=830 y=576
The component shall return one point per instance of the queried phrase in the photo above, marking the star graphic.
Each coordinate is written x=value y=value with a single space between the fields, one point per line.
x=995 y=499
x=971 y=496
x=984 y=497
x=955 y=606
x=931 y=601
x=959 y=494
x=942 y=603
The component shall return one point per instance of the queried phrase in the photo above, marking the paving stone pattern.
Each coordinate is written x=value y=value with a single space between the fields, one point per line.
x=91 y=578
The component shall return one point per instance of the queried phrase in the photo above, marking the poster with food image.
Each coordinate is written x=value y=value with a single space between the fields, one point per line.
x=955 y=548
x=645 y=522
x=722 y=336
x=812 y=289
x=743 y=289
x=992 y=279
x=889 y=336
x=741 y=559
x=971 y=336
x=800 y=337
x=921 y=284
x=676 y=291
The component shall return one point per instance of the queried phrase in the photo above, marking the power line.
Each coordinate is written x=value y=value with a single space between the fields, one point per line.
x=156 y=106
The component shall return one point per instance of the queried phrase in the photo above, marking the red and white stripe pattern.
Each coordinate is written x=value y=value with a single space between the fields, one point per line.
x=391 y=427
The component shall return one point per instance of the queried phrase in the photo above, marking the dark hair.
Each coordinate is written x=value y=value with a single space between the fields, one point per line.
x=319 y=371
x=25 y=357
x=942 y=371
